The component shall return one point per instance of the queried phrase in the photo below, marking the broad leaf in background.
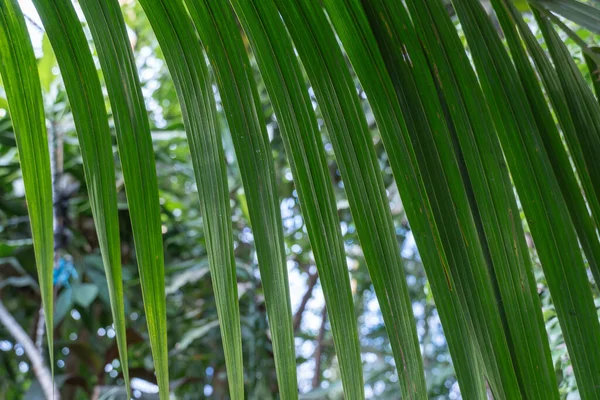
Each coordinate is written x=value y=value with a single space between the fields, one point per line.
x=84 y=294
x=46 y=63
x=64 y=304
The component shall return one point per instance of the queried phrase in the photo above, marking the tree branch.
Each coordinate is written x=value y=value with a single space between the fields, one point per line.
x=316 y=381
x=310 y=285
x=42 y=373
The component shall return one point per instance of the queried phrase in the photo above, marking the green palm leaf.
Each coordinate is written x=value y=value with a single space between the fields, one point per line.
x=538 y=189
x=24 y=94
x=495 y=199
x=356 y=157
x=137 y=157
x=219 y=32
x=418 y=98
x=557 y=154
x=462 y=128
x=304 y=147
x=185 y=59
x=89 y=113
x=351 y=25
x=585 y=110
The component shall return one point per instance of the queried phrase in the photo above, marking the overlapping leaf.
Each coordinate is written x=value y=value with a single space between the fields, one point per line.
x=184 y=57
x=584 y=224
x=433 y=145
x=137 y=159
x=304 y=147
x=355 y=153
x=581 y=13
x=220 y=34
x=494 y=196
x=585 y=110
x=557 y=154
x=539 y=192
x=89 y=113
x=594 y=68
x=24 y=94
x=361 y=47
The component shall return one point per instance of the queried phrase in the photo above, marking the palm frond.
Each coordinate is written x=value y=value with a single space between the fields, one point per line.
x=24 y=94
x=183 y=53
x=304 y=147
x=545 y=209
x=474 y=135
x=219 y=32
x=91 y=121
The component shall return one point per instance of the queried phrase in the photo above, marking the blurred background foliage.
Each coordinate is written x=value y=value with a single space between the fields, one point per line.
x=87 y=363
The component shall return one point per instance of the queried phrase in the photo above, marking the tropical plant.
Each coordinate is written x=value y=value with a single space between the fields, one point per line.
x=474 y=137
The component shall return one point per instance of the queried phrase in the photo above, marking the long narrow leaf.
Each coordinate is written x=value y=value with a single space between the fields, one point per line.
x=576 y=11
x=304 y=147
x=24 y=94
x=583 y=222
x=357 y=160
x=570 y=33
x=495 y=199
x=220 y=34
x=353 y=29
x=89 y=113
x=585 y=110
x=402 y=53
x=539 y=192
x=137 y=159
x=184 y=56
x=570 y=125
x=594 y=68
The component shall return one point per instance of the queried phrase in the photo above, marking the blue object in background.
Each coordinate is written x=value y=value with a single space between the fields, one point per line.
x=64 y=271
